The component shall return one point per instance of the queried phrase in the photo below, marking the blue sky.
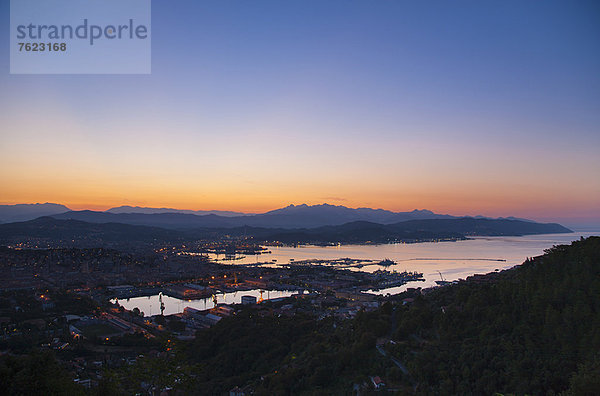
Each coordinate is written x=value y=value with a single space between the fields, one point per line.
x=462 y=107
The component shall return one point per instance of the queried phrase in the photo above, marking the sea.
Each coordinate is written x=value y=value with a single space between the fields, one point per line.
x=447 y=260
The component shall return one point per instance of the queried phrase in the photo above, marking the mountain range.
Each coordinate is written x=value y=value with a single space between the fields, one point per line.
x=291 y=217
x=146 y=210
x=301 y=216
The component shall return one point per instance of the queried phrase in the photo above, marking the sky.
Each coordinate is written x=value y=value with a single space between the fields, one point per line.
x=467 y=107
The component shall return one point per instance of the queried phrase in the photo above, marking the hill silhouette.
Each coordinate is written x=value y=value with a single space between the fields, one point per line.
x=24 y=212
x=86 y=233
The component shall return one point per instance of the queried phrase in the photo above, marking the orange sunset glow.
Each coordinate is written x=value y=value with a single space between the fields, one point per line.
x=462 y=136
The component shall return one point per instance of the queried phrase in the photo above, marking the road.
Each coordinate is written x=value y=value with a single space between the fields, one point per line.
x=396 y=361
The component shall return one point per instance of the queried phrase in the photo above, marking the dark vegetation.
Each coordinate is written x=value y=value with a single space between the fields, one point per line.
x=529 y=330
x=92 y=234
x=36 y=374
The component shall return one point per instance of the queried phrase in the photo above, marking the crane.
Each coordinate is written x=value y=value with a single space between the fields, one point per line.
x=443 y=281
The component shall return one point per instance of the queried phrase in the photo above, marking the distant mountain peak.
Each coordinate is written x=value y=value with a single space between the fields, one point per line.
x=304 y=215
x=423 y=211
x=148 y=210
x=291 y=216
x=23 y=212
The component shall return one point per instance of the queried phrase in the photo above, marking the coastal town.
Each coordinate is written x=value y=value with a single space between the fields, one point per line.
x=73 y=301
x=300 y=198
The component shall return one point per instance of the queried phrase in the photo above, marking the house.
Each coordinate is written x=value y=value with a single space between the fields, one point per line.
x=377 y=382
x=86 y=383
x=189 y=311
x=46 y=302
x=75 y=332
x=199 y=319
x=188 y=291
x=236 y=392
x=57 y=344
x=211 y=319
x=222 y=310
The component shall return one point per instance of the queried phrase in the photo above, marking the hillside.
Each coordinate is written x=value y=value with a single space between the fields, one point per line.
x=412 y=230
x=80 y=233
x=87 y=234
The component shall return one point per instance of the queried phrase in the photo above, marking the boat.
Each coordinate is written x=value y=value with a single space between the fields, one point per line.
x=442 y=282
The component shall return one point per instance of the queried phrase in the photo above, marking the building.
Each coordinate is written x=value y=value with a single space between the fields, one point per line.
x=120 y=324
x=236 y=392
x=189 y=311
x=377 y=382
x=199 y=319
x=187 y=291
x=195 y=286
x=121 y=291
x=211 y=319
x=248 y=300
x=46 y=302
x=222 y=310
x=75 y=332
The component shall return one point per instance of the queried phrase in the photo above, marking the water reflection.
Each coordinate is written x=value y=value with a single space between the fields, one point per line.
x=150 y=305
x=455 y=260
